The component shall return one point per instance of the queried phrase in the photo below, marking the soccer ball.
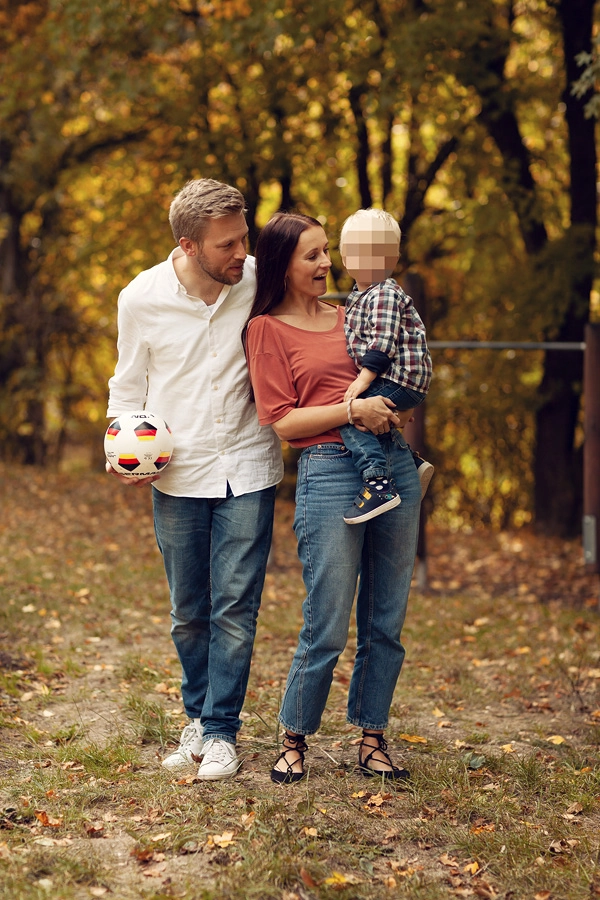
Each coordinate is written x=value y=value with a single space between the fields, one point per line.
x=138 y=444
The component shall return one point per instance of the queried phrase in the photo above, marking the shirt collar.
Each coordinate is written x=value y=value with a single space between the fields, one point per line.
x=176 y=285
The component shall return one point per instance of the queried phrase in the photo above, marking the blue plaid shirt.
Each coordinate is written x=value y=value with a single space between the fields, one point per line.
x=385 y=334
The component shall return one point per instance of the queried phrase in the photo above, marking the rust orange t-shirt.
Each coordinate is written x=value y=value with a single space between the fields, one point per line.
x=291 y=368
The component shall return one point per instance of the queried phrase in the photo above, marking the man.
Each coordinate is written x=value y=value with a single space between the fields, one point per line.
x=181 y=357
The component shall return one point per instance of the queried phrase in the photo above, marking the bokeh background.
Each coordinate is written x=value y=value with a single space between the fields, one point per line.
x=472 y=121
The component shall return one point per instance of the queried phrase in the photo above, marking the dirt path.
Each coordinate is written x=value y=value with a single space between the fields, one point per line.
x=497 y=714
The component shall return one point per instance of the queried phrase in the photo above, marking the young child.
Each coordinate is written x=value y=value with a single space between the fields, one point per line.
x=386 y=339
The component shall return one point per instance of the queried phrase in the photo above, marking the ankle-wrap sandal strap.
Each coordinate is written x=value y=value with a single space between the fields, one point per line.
x=393 y=774
x=296 y=740
x=292 y=743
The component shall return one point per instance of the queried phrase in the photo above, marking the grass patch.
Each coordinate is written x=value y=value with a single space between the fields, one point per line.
x=497 y=715
x=151 y=721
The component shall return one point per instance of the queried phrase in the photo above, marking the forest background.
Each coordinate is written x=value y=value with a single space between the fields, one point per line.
x=472 y=121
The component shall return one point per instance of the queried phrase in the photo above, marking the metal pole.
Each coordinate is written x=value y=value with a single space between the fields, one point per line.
x=414 y=432
x=591 y=449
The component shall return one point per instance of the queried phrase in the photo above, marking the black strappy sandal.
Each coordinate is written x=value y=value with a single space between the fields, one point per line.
x=394 y=774
x=291 y=742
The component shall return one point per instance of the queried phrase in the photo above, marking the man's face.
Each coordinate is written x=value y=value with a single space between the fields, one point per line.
x=222 y=251
x=369 y=252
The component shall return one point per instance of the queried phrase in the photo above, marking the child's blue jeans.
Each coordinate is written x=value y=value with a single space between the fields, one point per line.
x=365 y=447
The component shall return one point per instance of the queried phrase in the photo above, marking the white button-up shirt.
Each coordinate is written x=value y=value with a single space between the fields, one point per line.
x=184 y=361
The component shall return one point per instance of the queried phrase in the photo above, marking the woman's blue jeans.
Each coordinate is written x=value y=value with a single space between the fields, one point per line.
x=215 y=554
x=333 y=555
x=366 y=450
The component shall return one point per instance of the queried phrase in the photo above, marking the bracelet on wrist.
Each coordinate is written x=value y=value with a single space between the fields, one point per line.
x=349 y=408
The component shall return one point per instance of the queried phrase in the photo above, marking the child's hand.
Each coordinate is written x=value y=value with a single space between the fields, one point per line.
x=360 y=384
x=353 y=390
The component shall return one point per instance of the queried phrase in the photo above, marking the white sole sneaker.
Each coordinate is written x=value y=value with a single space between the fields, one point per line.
x=355 y=518
x=425 y=472
x=220 y=761
x=189 y=750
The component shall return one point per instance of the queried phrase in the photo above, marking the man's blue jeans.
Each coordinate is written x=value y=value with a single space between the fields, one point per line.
x=366 y=450
x=215 y=554
x=333 y=555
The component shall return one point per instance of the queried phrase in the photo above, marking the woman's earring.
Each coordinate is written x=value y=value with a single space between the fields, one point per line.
x=285 y=285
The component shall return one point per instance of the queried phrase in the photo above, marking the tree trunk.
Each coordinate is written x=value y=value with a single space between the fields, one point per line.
x=387 y=160
x=22 y=420
x=558 y=465
x=362 y=143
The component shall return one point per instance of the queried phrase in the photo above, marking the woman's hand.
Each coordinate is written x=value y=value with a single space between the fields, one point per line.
x=126 y=479
x=376 y=414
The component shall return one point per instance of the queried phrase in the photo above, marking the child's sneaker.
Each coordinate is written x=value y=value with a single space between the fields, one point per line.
x=425 y=471
x=376 y=497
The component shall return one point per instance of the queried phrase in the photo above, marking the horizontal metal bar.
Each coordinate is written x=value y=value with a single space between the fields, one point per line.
x=489 y=345
x=506 y=345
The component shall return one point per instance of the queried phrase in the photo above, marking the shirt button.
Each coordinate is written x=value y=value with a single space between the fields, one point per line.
x=215 y=387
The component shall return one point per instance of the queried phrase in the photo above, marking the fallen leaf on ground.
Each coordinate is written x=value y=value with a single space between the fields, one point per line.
x=378 y=799
x=189 y=847
x=220 y=840
x=485 y=890
x=562 y=846
x=142 y=854
x=573 y=809
x=307 y=879
x=338 y=878
x=474 y=760
x=48 y=821
x=412 y=738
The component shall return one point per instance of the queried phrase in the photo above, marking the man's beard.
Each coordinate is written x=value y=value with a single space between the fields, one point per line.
x=221 y=277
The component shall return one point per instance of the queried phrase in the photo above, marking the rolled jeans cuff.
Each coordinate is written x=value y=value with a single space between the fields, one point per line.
x=219 y=736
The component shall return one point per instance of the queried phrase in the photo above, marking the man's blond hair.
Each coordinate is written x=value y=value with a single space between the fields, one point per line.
x=198 y=202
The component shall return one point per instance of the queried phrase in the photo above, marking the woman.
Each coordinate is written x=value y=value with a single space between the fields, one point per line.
x=299 y=370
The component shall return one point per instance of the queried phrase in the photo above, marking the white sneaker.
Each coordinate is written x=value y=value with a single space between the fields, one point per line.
x=425 y=471
x=219 y=761
x=190 y=747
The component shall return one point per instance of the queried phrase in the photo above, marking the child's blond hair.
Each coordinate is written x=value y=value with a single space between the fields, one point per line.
x=368 y=217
